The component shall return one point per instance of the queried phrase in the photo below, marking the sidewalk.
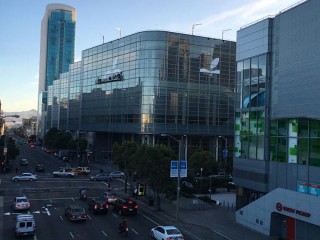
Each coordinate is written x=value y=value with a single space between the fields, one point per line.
x=220 y=219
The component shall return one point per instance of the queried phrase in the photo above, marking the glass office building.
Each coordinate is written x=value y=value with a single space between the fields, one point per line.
x=277 y=124
x=56 y=53
x=147 y=84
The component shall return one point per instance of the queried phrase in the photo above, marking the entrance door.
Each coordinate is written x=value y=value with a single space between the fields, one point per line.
x=291 y=228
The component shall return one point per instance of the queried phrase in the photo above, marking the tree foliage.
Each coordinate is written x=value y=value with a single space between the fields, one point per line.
x=12 y=150
x=63 y=140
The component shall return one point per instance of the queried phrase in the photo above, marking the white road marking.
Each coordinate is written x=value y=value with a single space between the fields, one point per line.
x=47 y=211
x=149 y=219
x=189 y=233
x=71 y=235
x=134 y=231
x=104 y=233
x=61 y=217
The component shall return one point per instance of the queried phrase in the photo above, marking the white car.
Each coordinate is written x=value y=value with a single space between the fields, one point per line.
x=20 y=203
x=25 y=177
x=166 y=232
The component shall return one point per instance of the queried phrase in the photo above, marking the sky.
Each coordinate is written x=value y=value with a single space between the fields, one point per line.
x=103 y=20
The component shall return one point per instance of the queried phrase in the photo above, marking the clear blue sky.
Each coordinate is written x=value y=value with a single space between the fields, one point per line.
x=20 y=25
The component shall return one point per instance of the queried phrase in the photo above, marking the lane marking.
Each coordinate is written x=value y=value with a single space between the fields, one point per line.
x=189 y=233
x=61 y=217
x=71 y=235
x=149 y=219
x=134 y=231
x=47 y=211
x=104 y=233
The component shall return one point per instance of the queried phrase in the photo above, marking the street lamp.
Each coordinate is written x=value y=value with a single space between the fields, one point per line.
x=194 y=25
x=225 y=30
x=225 y=152
x=119 y=31
x=179 y=161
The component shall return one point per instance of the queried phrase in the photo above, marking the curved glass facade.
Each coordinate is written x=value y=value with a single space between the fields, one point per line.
x=162 y=89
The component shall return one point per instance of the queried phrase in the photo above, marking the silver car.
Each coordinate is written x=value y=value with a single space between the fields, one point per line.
x=25 y=177
x=117 y=174
x=101 y=177
x=20 y=203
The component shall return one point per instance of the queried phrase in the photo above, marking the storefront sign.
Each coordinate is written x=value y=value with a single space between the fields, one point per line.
x=310 y=188
x=280 y=208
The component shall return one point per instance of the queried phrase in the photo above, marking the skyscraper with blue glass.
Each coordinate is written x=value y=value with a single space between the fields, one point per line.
x=56 y=52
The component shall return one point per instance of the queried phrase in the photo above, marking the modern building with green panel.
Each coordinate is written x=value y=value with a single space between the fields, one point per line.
x=277 y=124
x=151 y=83
x=56 y=52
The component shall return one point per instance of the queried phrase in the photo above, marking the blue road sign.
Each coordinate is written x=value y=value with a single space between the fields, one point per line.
x=174 y=168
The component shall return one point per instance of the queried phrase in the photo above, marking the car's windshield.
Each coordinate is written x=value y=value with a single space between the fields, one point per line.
x=77 y=210
x=173 y=231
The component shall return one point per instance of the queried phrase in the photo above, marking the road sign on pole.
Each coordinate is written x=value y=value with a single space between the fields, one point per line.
x=174 y=168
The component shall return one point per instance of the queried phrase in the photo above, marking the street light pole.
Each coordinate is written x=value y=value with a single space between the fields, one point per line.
x=119 y=29
x=178 y=179
x=193 y=26
x=225 y=30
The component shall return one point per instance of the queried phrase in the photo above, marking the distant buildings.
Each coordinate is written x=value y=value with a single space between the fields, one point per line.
x=147 y=84
x=56 y=52
x=277 y=124
x=29 y=126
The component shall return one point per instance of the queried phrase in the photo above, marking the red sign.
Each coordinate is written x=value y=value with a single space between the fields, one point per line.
x=280 y=208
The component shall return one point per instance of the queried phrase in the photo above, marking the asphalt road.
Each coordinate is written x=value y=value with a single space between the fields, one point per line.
x=50 y=195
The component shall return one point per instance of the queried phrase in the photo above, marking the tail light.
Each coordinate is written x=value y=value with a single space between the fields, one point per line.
x=95 y=206
x=85 y=215
x=136 y=206
x=107 y=206
x=124 y=207
x=130 y=202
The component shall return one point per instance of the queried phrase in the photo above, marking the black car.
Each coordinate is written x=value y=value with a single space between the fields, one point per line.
x=125 y=206
x=76 y=213
x=98 y=205
x=39 y=168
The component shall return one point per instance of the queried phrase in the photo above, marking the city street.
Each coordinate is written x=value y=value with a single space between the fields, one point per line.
x=50 y=195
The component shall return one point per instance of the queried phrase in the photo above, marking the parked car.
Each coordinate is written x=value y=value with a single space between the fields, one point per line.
x=98 y=205
x=25 y=177
x=20 y=203
x=117 y=174
x=24 y=162
x=166 y=232
x=76 y=213
x=39 y=168
x=25 y=225
x=81 y=170
x=125 y=206
x=101 y=177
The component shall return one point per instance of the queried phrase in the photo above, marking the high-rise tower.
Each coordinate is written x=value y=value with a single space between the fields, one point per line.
x=56 y=52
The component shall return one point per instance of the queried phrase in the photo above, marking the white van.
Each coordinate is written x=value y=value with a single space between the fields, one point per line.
x=25 y=225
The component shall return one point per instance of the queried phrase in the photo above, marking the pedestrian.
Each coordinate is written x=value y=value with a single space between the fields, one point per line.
x=135 y=192
x=17 y=170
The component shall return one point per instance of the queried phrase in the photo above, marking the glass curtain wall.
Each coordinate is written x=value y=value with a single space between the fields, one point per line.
x=250 y=119
x=295 y=141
